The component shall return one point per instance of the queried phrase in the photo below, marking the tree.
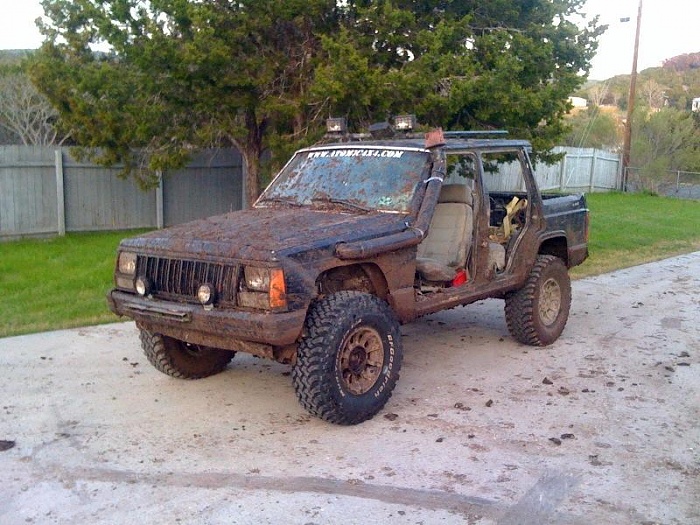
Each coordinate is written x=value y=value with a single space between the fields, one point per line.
x=666 y=140
x=264 y=74
x=598 y=93
x=179 y=75
x=26 y=115
x=593 y=128
x=653 y=94
x=473 y=65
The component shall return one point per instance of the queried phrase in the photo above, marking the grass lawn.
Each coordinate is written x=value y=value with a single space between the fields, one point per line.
x=62 y=282
x=632 y=229
x=55 y=283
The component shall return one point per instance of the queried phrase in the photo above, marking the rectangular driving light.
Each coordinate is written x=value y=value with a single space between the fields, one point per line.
x=336 y=125
x=404 y=122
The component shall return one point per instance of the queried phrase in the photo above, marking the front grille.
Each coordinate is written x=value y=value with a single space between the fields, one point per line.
x=179 y=279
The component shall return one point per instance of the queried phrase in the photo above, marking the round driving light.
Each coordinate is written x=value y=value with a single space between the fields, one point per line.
x=205 y=294
x=143 y=286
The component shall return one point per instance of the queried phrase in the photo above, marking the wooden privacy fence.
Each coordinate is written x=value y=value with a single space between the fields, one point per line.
x=44 y=191
x=580 y=170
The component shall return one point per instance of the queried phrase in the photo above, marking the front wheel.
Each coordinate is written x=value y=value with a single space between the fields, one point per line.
x=349 y=358
x=537 y=313
x=183 y=360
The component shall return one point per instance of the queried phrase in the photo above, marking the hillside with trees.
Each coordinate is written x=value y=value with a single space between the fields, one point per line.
x=666 y=133
x=674 y=85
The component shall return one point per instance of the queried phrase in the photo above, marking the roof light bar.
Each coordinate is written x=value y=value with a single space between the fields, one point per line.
x=381 y=130
x=474 y=133
x=404 y=122
x=336 y=125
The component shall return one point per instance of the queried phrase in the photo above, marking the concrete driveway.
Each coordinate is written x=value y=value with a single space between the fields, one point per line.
x=600 y=428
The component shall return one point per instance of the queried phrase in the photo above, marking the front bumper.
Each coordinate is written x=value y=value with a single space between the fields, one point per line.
x=221 y=328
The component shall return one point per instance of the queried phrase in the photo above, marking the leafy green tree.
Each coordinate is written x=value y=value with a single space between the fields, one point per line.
x=179 y=75
x=471 y=64
x=264 y=74
x=664 y=141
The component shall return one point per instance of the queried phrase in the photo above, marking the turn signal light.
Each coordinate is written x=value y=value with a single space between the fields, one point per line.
x=278 y=290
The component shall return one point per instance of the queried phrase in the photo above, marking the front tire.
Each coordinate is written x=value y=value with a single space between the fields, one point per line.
x=183 y=360
x=349 y=358
x=537 y=313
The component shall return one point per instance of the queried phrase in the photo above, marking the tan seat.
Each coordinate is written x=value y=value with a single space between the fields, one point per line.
x=445 y=248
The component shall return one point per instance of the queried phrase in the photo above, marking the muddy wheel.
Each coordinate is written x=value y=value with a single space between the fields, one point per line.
x=183 y=360
x=349 y=358
x=537 y=313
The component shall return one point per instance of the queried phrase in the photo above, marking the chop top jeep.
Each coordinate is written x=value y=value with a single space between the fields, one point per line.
x=348 y=241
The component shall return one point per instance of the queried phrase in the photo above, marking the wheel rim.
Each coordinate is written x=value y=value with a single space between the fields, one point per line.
x=361 y=359
x=550 y=301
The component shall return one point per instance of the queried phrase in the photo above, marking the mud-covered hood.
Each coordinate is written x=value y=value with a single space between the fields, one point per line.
x=265 y=233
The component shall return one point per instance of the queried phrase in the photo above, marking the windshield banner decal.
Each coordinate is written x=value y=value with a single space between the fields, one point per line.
x=384 y=153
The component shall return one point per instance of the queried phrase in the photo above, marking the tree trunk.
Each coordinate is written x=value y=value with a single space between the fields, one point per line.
x=252 y=152
x=252 y=177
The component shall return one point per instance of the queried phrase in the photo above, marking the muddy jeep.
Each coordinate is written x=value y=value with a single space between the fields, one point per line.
x=350 y=240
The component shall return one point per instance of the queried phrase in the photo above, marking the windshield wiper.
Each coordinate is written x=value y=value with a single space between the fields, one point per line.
x=342 y=202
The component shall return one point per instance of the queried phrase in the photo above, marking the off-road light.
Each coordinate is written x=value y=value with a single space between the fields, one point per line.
x=206 y=294
x=336 y=125
x=127 y=263
x=143 y=286
x=404 y=122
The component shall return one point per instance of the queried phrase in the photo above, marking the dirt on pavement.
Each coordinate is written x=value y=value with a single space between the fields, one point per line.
x=601 y=427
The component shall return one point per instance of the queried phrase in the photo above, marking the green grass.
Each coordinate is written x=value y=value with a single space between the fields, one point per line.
x=49 y=284
x=631 y=229
x=62 y=282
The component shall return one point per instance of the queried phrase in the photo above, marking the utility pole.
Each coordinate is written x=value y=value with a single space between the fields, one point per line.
x=627 y=146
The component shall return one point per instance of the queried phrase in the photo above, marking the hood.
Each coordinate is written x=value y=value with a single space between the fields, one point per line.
x=265 y=233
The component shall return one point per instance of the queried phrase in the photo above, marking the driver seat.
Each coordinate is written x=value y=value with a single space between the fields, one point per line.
x=445 y=248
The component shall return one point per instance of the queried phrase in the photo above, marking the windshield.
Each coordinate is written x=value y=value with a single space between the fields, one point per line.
x=364 y=178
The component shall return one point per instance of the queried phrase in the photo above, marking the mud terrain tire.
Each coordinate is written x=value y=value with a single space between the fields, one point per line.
x=349 y=357
x=183 y=360
x=537 y=313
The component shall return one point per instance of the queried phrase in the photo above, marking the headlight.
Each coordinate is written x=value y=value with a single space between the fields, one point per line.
x=257 y=279
x=264 y=288
x=127 y=263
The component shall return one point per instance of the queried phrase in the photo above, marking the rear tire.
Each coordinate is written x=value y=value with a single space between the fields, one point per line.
x=349 y=358
x=183 y=360
x=537 y=313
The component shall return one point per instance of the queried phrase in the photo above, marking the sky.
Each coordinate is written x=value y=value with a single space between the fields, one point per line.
x=669 y=28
